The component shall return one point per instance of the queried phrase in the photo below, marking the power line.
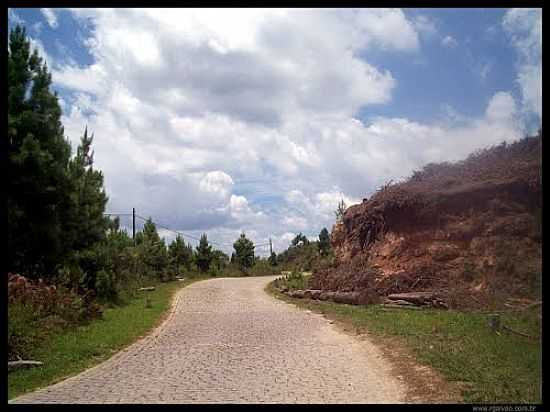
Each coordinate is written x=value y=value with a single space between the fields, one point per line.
x=160 y=225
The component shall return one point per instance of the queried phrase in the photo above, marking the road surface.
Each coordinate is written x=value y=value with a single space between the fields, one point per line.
x=227 y=341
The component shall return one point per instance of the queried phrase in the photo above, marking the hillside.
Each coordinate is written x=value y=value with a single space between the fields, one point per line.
x=470 y=231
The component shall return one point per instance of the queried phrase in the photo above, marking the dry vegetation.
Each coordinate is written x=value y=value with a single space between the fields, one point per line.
x=469 y=230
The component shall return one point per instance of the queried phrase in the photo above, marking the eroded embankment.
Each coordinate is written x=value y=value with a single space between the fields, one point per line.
x=471 y=231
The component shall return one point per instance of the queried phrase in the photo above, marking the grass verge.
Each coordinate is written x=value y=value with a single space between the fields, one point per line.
x=489 y=368
x=73 y=350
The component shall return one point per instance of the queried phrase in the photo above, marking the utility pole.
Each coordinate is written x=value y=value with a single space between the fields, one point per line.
x=270 y=247
x=134 y=225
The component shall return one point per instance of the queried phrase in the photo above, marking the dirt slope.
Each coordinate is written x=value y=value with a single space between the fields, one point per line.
x=470 y=231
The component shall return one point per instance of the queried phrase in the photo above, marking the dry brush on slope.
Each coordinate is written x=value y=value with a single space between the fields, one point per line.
x=470 y=231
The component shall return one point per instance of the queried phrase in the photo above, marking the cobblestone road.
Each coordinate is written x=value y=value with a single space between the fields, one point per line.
x=227 y=341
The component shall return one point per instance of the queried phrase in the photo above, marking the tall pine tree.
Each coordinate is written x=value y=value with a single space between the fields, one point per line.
x=324 y=242
x=180 y=254
x=55 y=203
x=244 y=252
x=38 y=155
x=203 y=255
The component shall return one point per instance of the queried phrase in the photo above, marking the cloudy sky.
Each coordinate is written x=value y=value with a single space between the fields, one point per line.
x=222 y=121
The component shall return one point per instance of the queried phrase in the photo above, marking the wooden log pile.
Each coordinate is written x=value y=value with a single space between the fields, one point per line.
x=409 y=300
x=351 y=298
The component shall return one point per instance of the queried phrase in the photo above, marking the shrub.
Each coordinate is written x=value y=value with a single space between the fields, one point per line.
x=105 y=285
x=34 y=307
x=21 y=330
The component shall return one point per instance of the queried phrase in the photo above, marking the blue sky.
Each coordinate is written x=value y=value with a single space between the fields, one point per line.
x=262 y=120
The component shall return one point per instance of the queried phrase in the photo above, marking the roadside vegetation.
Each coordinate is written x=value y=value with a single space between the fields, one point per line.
x=487 y=367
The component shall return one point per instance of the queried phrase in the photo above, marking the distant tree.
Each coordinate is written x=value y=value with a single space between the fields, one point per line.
x=324 y=242
x=180 y=254
x=340 y=210
x=273 y=259
x=244 y=252
x=153 y=251
x=203 y=254
x=219 y=259
x=300 y=239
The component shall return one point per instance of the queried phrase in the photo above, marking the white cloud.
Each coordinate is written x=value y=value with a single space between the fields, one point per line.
x=524 y=28
x=50 y=17
x=449 y=41
x=501 y=107
x=14 y=17
x=37 y=27
x=425 y=26
x=215 y=98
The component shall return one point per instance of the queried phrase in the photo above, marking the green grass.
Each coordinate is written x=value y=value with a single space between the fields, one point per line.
x=73 y=350
x=491 y=368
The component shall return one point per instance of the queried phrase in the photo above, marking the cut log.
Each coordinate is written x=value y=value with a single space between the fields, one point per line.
x=415 y=297
x=350 y=298
x=388 y=306
x=13 y=365
x=312 y=293
x=147 y=289
x=315 y=293
x=399 y=302
x=296 y=294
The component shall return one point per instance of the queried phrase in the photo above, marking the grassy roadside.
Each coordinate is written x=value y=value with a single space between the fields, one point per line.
x=490 y=368
x=74 y=350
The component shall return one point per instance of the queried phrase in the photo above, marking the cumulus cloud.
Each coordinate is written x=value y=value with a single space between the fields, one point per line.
x=50 y=17
x=449 y=41
x=425 y=26
x=524 y=28
x=14 y=17
x=187 y=104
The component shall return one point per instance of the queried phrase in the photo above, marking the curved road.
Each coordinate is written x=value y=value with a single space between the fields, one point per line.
x=227 y=341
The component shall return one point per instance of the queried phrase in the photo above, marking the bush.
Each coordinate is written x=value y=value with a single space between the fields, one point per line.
x=34 y=308
x=293 y=281
x=21 y=330
x=105 y=285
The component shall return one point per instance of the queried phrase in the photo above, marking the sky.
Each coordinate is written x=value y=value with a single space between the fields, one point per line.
x=261 y=120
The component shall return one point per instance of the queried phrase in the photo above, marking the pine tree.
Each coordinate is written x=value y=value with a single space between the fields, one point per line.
x=85 y=223
x=273 y=259
x=153 y=251
x=180 y=254
x=324 y=242
x=38 y=154
x=219 y=259
x=300 y=239
x=244 y=252
x=203 y=256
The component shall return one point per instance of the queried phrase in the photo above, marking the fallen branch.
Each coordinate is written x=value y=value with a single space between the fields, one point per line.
x=147 y=289
x=13 y=365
